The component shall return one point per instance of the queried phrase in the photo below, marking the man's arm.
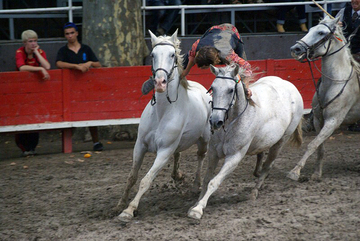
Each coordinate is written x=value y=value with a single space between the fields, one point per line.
x=43 y=61
x=95 y=64
x=82 y=67
x=65 y=65
x=35 y=69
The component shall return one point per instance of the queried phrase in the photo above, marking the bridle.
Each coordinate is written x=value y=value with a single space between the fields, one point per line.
x=310 y=49
x=168 y=76
x=322 y=41
x=235 y=95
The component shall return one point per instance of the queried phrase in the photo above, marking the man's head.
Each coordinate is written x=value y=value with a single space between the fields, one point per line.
x=355 y=4
x=71 y=32
x=29 y=38
x=207 y=55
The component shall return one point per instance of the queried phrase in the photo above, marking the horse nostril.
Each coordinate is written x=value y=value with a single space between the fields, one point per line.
x=219 y=124
x=164 y=81
x=295 y=49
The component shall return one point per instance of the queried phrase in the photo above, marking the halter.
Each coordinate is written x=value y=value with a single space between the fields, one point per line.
x=315 y=46
x=318 y=44
x=232 y=100
x=168 y=76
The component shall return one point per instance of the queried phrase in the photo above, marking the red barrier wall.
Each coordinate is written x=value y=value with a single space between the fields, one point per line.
x=110 y=93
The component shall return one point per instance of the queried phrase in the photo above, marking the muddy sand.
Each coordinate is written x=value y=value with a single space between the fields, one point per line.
x=56 y=196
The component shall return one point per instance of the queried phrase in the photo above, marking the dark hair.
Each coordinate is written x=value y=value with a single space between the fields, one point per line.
x=70 y=25
x=207 y=55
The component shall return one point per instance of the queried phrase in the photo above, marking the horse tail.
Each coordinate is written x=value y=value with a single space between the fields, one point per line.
x=296 y=138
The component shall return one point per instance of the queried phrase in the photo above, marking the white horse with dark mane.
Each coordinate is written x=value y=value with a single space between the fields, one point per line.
x=337 y=97
x=175 y=119
x=252 y=127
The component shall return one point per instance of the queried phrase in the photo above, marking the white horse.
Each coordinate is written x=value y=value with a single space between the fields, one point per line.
x=175 y=119
x=265 y=123
x=337 y=97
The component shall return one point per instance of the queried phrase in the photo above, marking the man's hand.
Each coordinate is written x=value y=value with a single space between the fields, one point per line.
x=45 y=74
x=82 y=67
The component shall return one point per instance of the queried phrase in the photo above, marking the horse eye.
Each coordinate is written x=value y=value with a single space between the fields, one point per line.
x=152 y=55
x=231 y=91
x=321 y=33
x=173 y=55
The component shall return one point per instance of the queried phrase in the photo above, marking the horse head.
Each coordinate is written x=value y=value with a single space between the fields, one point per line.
x=224 y=92
x=318 y=41
x=164 y=58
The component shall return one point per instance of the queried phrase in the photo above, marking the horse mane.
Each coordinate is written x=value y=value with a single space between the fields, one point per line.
x=339 y=34
x=179 y=56
x=241 y=72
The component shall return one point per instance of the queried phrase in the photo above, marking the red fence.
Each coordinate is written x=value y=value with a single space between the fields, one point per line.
x=109 y=93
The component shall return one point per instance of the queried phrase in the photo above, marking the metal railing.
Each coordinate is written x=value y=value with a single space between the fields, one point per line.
x=21 y=13
x=232 y=8
x=183 y=9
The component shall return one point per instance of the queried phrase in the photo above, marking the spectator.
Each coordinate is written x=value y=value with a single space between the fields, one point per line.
x=220 y=44
x=350 y=21
x=75 y=55
x=30 y=58
x=282 y=15
x=162 y=20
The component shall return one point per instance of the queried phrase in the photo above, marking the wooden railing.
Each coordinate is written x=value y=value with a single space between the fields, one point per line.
x=105 y=96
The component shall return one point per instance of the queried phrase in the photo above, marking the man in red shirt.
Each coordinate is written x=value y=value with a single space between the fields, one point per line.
x=30 y=58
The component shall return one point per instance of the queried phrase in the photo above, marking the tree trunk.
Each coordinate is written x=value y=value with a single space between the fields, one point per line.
x=113 y=29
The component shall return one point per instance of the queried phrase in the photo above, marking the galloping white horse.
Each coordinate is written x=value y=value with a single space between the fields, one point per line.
x=337 y=97
x=267 y=123
x=175 y=119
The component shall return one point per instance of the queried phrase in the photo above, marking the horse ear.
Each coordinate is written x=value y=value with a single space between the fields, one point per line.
x=153 y=37
x=337 y=19
x=174 y=36
x=214 y=70
x=236 y=69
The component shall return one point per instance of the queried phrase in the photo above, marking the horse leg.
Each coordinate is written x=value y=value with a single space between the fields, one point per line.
x=320 y=161
x=176 y=174
x=161 y=159
x=213 y=161
x=325 y=133
x=273 y=153
x=259 y=158
x=138 y=156
x=202 y=149
x=229 y=166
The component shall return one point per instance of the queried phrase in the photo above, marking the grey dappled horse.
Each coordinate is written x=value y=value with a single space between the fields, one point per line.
x=337 y=98
x=241 y=128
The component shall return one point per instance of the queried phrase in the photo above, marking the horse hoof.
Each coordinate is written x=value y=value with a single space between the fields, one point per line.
x=293 y=176
x=316 y=177
x=125 y=217
x=254 y=194
x=195 y=214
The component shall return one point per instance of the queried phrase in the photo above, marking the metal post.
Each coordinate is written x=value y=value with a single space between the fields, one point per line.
x=182 y=21
x=11 y=28
x=70 y=11
x=233 y=17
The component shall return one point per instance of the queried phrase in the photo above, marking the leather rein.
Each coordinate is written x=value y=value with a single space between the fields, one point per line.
x=309 y=49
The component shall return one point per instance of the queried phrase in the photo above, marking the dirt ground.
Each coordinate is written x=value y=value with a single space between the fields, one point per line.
x=56 y=196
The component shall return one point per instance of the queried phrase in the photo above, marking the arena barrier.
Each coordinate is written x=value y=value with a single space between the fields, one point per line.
x=106 y=96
